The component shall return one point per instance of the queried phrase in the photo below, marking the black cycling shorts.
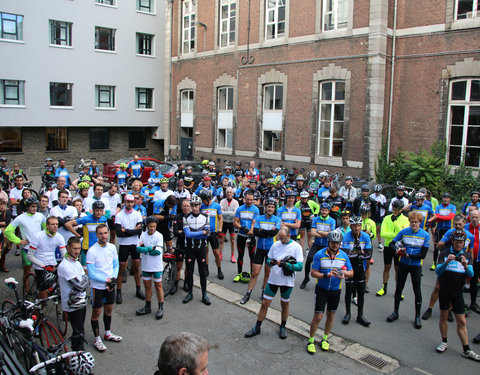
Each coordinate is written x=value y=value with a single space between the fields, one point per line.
x=124 y=251
x=329 y=298
x=213 y=240
x=167 y=235
x=389 y=255
x=101 y=297
x=306 y=225
x=228 y=227
x=111 y=223
x=445 y=297
x=260 y=256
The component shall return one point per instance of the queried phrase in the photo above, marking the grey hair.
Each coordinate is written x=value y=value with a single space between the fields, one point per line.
x=181 y=351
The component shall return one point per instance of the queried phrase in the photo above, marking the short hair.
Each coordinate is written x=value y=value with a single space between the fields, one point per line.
x=171 y=201
x=415 y=215
x=229 y=189
x=100 y=226
x=181 y=351
x=345 y=213
x=63 y=191
x=97 y=185
x=333 y=189
x=459 y=217
x=285 y=230
x=45 y=197
x=18 y=176
x=50 y=218
x=248 y=192
x=72 y=241
x=61 y=178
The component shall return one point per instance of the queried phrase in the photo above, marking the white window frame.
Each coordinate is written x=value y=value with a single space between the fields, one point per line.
x=334 y=12
x=225 y=117
x=225 y=23
x=187 y=100
x=143 y=40
x=189 y=27
x=474 y=13
x=100 y=102
x=272 y=117
x=6 y=88
x=331 y=121
x=274 y=6
x=111 y=36
x=6 y=19
x=467 y=104
x=66 y=28
x=111 y=3
x=144 y=98
x=141 y=7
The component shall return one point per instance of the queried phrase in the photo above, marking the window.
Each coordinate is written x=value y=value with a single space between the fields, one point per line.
x=61 y=94
x=275 y=19
x=228 y=15
x=186 y=113
x=188 y=26
x=467 y=9
x=104 y=96
x=145 y=6
x=225 y=117
x=10 y=139
x=106 y=2
x=12 y=92
x=104 y=38
x=144 y=98
x=335 y=14
x=331 y=118
x=60 y=33
x=56 y=139
x=11 y=26
x=464 y=123
x=144 y=44
x=272 y=118
x=137 y=138
x=100 y=139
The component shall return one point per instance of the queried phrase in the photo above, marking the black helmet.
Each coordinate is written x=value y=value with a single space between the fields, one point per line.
x=474 y=192
x=364 y=209
x=151 y=219
x=3 y=159
x=365 y=187
x=239 y=163
x=98 y=204
x=270 y=201
x=205 y=194
x=30 y=201
x=291 y=173
x=48 y=159
x=398 y=204
x=238 y=173
x=377 y=188
x=458 y=235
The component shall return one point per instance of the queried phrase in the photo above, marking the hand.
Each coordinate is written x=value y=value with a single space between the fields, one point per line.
x=402 y=252
x=450 y=258
x=24 y=242
x=464 y=261
x=138 y=226
x=273 y=262
x=123 y=229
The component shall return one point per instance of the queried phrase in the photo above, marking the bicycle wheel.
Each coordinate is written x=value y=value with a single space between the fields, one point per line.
x=30 y=287
x=21 y=349
x=61 y=319
x=49 y=335
x=168 y=277
x=8 y=308
x=77 y=167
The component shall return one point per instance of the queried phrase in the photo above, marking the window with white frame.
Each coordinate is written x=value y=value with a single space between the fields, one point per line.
x=144 y=98
x=275 y=19
x=188 y=26
x=12 y=92
x=145 y=6
x=224 y=117
x=60 y=33
x=186 y=113
x=104 y=38
x=11 y=26
x=331 y=118
x=104 y=96
x=467 y=9
x=272 y=118
x=106 y=2
x=335 y=14
x=464 y=123
x=144 y=44
x=228 y=19
x=61 y=94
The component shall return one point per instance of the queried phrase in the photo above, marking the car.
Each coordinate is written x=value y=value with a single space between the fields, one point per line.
x=149 y=163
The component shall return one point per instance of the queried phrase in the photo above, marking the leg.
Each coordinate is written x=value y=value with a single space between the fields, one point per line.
x=136 y=271
x=401 y=279
x=262 y=313
x=302 y=237
x=232 y=247
x=256 y=268
x=122 y=268
x=266 y=274
x=189 y=268
x=147 y=282
x=473 y=284
x=329 y=322
x=309 y=239
x=317 y=318
x=77 y=322
x=443 y=324
x=201 y=256
x=461 y=328
x=241 y=252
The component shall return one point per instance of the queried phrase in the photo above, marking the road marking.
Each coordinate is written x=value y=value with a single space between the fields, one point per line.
x=422 y=371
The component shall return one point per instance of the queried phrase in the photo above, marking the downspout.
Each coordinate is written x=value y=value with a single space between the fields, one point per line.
x=167 y=127
x=392 y=76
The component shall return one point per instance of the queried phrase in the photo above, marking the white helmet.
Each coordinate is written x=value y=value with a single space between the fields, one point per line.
x=335 y=236
x=304 y=194
x=82 y=364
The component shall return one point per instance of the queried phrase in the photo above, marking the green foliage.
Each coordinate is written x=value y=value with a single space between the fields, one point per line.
x=460 y=184
x=389 y=172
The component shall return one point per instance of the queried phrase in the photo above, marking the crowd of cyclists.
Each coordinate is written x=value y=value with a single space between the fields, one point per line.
x=287 y=221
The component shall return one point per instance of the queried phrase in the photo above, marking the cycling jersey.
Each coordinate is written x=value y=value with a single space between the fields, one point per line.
x=213 y=211
x=179 y=173
x=142 y=209
x=426 y=212
x=381 y=204
x=391 y=226
x=348 y=193
x=415 y=243
x=63 y=172
x=29 y=225
x=324 y=263
x=184 y=194
x=445 y=215
x=161 y=195
x=43 y=249
x=89 y=225
x=289 y=215
x=323 y=193
x=102 y=264
x=322 y=224
x=246 y=216
x=475 y=231
x=193 y=227
x=93 y=171
x=308 y=210
x=149 y=192
x=369 y=225
x=228 y=209
x=358 y=249
x=469 y=242
x=265 y=228
x=271 y=194
x=156 y=177
x=452 y=276
x=468 y=204
x=368 y=201
x=210 y=188
x=136 y=168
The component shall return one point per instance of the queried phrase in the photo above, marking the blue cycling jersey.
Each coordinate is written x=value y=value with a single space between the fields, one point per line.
x=426 y=212
x=136 y=167
x=267 y=223
x=324 y=263
x=212 y=211
x=413 y=241
x=442 y=210
x=121 y=177
x=469 y=242
x=246 y=216
x=323 y=225
x=289 y=215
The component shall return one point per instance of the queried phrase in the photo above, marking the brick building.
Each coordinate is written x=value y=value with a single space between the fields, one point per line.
x=311 y=82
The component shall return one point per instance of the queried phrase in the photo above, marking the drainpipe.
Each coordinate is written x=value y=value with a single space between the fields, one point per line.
x=392 y=75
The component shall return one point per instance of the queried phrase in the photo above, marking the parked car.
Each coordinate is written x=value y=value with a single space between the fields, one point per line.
x=149 y=163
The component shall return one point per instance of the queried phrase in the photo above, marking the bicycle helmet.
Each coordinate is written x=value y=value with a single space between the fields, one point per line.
x=325 y=205
x=207 y=177
x=335 y=236
x=163 y=180
x=271 y=181
x=239 y=163
x=48 y=159
x=123 y=165
x=245 y=277
x=212 y=163
x=300 y=178
x=83 y=185
x=151 y=219
x=30 y=201
x=86 y=177
x=446 y=195
x=323 y=174
x=474 y=192
x=399 y=245
x=270 y=201
x=195 y=200
x=365 y=187
x=364 y=209
x=238 y=173
x=290 y=193
x=423 y=191
x=205 y=194
x=82 y=364
x=205 y=162
x=227 y=167
x=278 y=170
x=355 y=220
x=76 y=301
x=304 y=194
x=420 y=196
x=401 y=187
x=398 y=204
x=291 y=173
x=188 y=168
x=282 y=264
x=49 y=279
x=3 y=160
x=348 y=178
x=458 y=235
x=151 y=181
x=313 y=175
x=377 y=188
x=278 y=179
x=98 y=204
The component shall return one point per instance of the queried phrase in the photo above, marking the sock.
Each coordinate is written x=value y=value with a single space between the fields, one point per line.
x=466 y=347
x=95 y=328
x=444 y=339
x=108 y=333
x=176 y=282
x=148 y=304
x=284 y=323
x=385 y=287
x=430 y=310
x=219 y=269
x=160 y=305
x=258 y=324
x=107 y=320
x=138 y=288
x=325 y=337
x=311 y=340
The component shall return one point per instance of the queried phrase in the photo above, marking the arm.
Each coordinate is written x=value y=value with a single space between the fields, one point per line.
x=236 y=222
x=31 y=257
x=93 y=274
x=116 y=267
x=422 y=254
x=69 y=226
x=10 y=234
x=194 y=235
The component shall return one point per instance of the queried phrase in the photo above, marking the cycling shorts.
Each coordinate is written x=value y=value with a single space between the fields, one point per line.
x=101 y=297
x=306 y=225
x=127 y=250
x=213 y=240
x=167 y=235
x=389 y=255
x=111 y=223
x=271 y=289
x=157 y=276
x=447 y=297
x=228 y=227
x=329 y=298
x=260 y=256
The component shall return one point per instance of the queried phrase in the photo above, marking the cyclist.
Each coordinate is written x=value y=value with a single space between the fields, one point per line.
x=213 y=173
x=128 y=228
x=345 y=227
x=369 y=227
x=400 y=196
x=148 y=192
x=454 y=266
x=265 y=228
x=357 y=245
x=16 y=171
x=337 y=205
x=16 y=195
x=180 y=172
x=43 y=206
x=62 y=171
x=207 y=185
x=244 y=221
x=309 y=209
x=196 y=228
x=64 y=213
x=186 y=209
x=324 y=190
x=73 y=288
x=290 y=215
x=299 y=184
x=381 y=205
x=364 y=198
x=102 y=266
x=474 y=201
x=165 y=211
x=321 y=227
x=474 y=228
x=289 y=182
x=426 y=211
x=228 y=173
x=285 y=258
x=93 y=171
x=257 y=196
x=151 y=246
x=84 y=173
x=121 y=175
x=162 y=193
x=271 y=192
x=181 y=193
x=115 y=203
x=135 y=167
x=313 y=185
x=225 y=183
x=5 y=181
x=330 y=266
x=229 y=206
x=29 y=223
x=5 y=244
x=189 y=179
x=391 y=226
x=238 y=168
x=61 y=185
x=412 y=247
x=42 y=253
x=96 y=197
x=48 y=175
x=262 y=186
x=445 y=213
x=348 y=192
x=156 y=175
x=138 y=206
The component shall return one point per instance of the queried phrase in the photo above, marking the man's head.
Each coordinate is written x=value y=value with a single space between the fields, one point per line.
x=345 y=217
x=183 y=354
x=43 y=202
x=415 y=219
x=334 y=238
x=52 y=224
x=458 y=239
x=113 y=190
x=356 y=225
x=19 y=182
x=324 y=209
x=170 y=202
x=348 y=181
x=248 y=198
x=102 y=234
x=98 y=190
x=32 y=205
x=77 y=203
x=74 y=247
x=62 y=163
x=365 y=191
x=284 y=235
x=61 y=181
x=98 y=207
x=63 y=197
x=135 y=158
x=475 y=196
x=270 y=205
x=186 y=208
x=229 y=193
x=207 y=180
x=475 y=218
x=129 y=202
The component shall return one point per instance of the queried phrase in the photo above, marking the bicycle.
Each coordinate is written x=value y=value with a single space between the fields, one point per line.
x=169 y=275
x=83 y=163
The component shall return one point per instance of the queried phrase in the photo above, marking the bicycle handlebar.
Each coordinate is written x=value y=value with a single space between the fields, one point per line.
x=59 y=358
